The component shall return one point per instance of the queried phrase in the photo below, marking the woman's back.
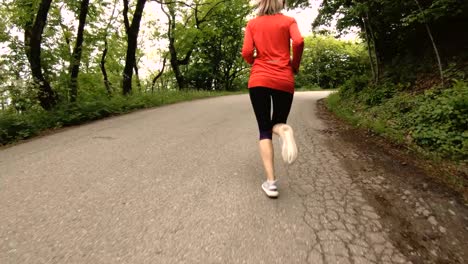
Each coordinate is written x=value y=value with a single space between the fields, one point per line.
x=270 y=37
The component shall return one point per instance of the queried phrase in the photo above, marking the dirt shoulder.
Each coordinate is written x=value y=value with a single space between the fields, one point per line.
x=426 y=220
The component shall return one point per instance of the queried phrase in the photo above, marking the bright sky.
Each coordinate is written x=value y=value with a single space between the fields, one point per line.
x=305 y=17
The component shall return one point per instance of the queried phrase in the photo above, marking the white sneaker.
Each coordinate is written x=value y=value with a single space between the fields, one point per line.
x=288 y=145
x=270 y=189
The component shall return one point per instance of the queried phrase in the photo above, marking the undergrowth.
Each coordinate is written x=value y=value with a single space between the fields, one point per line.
x=435 y=121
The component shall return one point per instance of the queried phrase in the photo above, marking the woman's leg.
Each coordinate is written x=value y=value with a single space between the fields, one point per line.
x=282 y=102
x=261 y=103
x=267 y=154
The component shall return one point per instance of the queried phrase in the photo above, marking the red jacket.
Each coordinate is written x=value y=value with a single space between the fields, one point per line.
x=267 y=46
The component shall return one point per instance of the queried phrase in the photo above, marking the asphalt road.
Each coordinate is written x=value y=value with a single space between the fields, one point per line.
x=181 y=184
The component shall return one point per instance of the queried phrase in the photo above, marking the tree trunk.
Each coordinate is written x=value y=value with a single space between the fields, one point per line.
x=172 y=50
x=159 y=74
x=132 y=37
x=137 y=76
x=77 y=51
x=65 y=32
x=107 y=83
x=175 y=62
x=371 y=58
x=32 y=40
x=434 y=46
x=176 y=67
x=377 y=60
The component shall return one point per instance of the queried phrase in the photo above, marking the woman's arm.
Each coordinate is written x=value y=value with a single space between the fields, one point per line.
x=297 y=46
x=248 y=47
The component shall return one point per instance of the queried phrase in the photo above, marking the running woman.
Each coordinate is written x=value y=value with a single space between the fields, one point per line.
x=267 y=46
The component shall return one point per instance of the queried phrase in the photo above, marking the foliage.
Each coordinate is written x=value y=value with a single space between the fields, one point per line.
x=216 y=61
x=298 y=3
x=435 y=121
x=57 y=44
x=328 y=62
x=207 y=37
x=353 y=86
x=440 y=121
x=405 y=41
x=403 y=33
x=204 y=42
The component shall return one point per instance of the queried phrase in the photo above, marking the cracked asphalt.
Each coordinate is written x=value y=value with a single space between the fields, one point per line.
x=181 y=184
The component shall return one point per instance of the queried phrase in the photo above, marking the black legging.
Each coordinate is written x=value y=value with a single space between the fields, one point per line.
x=261 y=98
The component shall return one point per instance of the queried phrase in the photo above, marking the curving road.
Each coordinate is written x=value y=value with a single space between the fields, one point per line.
x=181 y=184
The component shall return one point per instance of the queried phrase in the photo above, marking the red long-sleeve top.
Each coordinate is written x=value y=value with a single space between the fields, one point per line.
x=267 y=45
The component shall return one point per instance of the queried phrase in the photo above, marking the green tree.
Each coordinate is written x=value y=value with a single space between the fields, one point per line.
x=329 y=62
x=77 y=50
x=132 y=31
x=102 y=63
x=403 y=36
x=216 y=61
x=185 y=24
x=33 y=26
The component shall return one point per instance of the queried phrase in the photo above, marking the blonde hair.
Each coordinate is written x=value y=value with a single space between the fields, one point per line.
x=270 y=7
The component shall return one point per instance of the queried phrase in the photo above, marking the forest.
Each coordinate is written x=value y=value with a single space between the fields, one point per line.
x=416 y=91
x=67 y=62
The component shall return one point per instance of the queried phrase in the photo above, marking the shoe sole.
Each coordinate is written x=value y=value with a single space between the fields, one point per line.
x=289 y=148
x=271 y=194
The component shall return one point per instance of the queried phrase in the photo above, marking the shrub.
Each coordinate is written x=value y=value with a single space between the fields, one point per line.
x=440 y=120
x=436 y=121
x=352 y=87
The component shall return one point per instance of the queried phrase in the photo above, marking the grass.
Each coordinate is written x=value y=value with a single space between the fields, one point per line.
x=435 y=121
x=15 y=126
x=335 y=105
x=399 y=118
x=309 y=88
